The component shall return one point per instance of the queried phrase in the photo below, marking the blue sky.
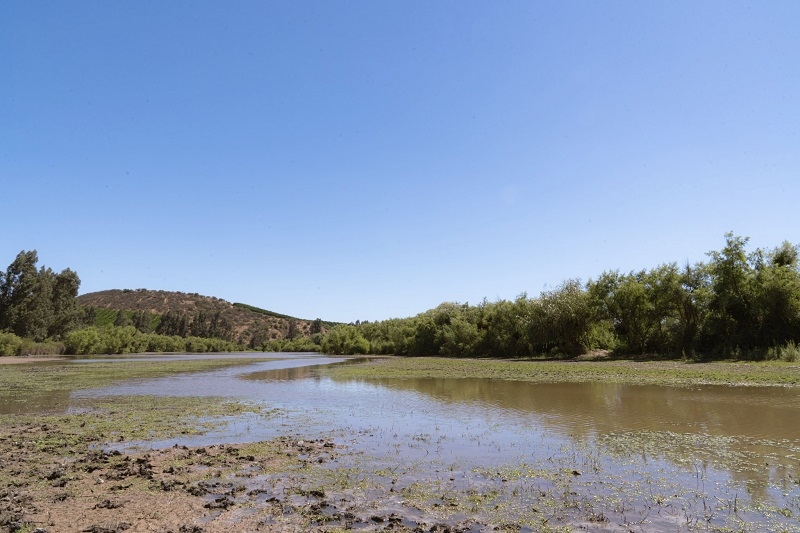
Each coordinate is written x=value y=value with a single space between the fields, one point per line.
x=366 y=160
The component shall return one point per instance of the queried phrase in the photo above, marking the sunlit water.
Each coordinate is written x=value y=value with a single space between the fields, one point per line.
x=726 y=443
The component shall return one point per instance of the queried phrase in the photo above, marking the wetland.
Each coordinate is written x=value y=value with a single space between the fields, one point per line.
x=303 y=442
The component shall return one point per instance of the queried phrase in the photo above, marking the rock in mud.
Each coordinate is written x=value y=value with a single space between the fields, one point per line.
x=191 y=529
x=108 y=504
x=220 y=503
x=116 y=528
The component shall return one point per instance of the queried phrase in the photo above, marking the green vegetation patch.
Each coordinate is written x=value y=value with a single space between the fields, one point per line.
x=129 y=418
x=17 y=381
x=670 y=373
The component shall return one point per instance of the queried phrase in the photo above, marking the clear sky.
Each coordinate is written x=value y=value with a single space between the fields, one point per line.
x=372 y=159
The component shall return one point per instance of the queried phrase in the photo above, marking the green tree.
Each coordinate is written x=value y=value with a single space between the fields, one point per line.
x=563 y=319
x=122 y=319
x=504 y=325
x=220 y=327
x=200 y=325
x=776 y=297
x=88 y=316
x=456 y=330
x=66 y=313
x=20 y=297
x=37 y=303
x=695 y=292
x=344 y=340
x=291 y=331
x=142 y=321
x=173 y=323
x=258 y=335
x=730 y=327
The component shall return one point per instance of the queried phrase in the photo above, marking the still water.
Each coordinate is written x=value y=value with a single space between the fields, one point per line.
x=715 y=443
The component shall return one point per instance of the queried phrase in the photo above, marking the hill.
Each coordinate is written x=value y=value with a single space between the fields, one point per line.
x=250 y=325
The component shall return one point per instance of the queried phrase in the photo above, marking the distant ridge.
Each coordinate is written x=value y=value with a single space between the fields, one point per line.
x=248 y=321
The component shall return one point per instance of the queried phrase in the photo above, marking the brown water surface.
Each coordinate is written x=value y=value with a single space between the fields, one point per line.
x=590 y=409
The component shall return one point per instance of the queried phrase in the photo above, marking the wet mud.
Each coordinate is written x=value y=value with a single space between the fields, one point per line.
x=254 y=487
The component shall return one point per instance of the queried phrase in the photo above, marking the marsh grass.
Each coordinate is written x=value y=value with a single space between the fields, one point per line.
x=16 y=381
x=670 y=373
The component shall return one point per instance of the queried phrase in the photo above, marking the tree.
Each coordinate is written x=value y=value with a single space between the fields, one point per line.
x=88 y=316
x=142 y=321
x=730 y=325
x=504 y=324
x=565 y=316
x=173 y=323
x=20 y=295
x=291 y=332
x=344 y=340
x=695 y=292
x=37 y=303
x=220 y=327
x=776 y=297
x=66 y=313
x=199 y=325
x=122 y=319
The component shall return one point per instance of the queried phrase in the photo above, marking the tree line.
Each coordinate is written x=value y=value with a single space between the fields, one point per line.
x=736 y=305
x=128 y=339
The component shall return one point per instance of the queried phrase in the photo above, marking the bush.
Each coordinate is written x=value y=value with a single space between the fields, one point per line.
x=122 y=340
x=345 y=340
x=298 y=344
x=789 y=352
x=10 y=344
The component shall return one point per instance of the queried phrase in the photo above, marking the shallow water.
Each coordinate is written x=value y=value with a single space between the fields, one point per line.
x=715 y=443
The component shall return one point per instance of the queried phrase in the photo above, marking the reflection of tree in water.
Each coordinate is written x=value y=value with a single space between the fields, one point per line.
x=296 y=373
x=749 y=432
x=286 y=374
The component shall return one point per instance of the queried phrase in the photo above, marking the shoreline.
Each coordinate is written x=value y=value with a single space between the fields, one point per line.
x=22 y=359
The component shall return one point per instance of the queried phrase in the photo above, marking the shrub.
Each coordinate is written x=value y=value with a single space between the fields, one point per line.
x=10 y=344
x=789 y=352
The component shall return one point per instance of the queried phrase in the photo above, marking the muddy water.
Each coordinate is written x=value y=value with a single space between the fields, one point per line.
x=724 y=455
x=589 y=409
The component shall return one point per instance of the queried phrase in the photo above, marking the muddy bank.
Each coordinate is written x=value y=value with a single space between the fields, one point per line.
x=174 y=490
x=48 y=487
x=292 y=484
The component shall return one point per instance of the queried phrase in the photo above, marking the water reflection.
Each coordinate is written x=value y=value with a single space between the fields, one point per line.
x=589 y=409
x=36 y=402
x=296 y=373
x=750 y=432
